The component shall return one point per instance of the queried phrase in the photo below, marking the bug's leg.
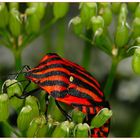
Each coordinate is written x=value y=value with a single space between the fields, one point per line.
x=29 y=82
x=26 y=94
x=63 y=111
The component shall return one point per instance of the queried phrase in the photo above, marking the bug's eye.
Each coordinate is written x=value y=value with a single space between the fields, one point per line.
x=71 y=78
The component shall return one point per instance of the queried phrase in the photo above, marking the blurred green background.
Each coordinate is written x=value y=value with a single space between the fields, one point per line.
x=59 y=38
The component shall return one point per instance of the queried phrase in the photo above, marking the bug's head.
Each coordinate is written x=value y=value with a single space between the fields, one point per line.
x=29 y=75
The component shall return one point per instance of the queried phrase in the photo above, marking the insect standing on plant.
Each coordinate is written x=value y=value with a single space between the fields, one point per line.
x=71 y=84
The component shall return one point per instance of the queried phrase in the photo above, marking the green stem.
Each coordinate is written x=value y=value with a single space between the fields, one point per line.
x=18 y=62
x=11 y=129
x=86 y=39
x=87 y=50
x=60 y=38
x=47 y=41
x=111 y=77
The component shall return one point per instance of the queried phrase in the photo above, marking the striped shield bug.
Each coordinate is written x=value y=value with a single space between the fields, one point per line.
x=69 y=83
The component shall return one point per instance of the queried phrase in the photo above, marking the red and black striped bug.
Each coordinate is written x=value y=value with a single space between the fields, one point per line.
x=71 y=84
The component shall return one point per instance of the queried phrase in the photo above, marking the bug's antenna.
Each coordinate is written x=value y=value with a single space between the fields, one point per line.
x=26 y=67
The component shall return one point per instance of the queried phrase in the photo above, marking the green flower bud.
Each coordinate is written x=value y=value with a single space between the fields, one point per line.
x=33 y=102
x=40 y=8
x=104 y=4
x=4 y=107
x=42 y=132
x=98 y=32
x=136 y=27
x=81 y=130
x=25 y=116
x=14 y=87
x=136 y=61
x=32 y=21
x=61 y=130
x=60 y=9
x=77 y=116
x=106 y=14
x=14 y=5
x=4 y=15
x=132 y=6
x=123 y=14
x=137 y=11
x=100 y=119
x=115 y=6
x=71 y=126
x=37 y=127
x=87 y=10
x=122 y=35
x=54 y=111
x=15 y=22
x=77 y=25
x=97 y=22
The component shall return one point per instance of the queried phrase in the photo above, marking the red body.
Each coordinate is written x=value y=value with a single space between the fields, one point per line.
x=70 y=83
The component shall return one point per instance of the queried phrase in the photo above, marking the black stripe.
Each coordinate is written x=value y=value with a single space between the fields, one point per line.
x=58 y=94
x=98 y=133
x=53 y=83
x=71 y=69
x=44 y=75
x=80 y=94
x=49 y=60
x=50 y=54
x=87 y=86
x=88 y=110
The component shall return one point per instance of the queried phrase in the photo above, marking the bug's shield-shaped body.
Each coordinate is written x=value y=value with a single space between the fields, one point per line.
x=70 y=83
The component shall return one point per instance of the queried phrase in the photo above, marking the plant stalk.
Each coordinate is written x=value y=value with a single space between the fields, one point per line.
x=87 y=50
x=111 y=77
x=61 y=38
x=18 y=62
